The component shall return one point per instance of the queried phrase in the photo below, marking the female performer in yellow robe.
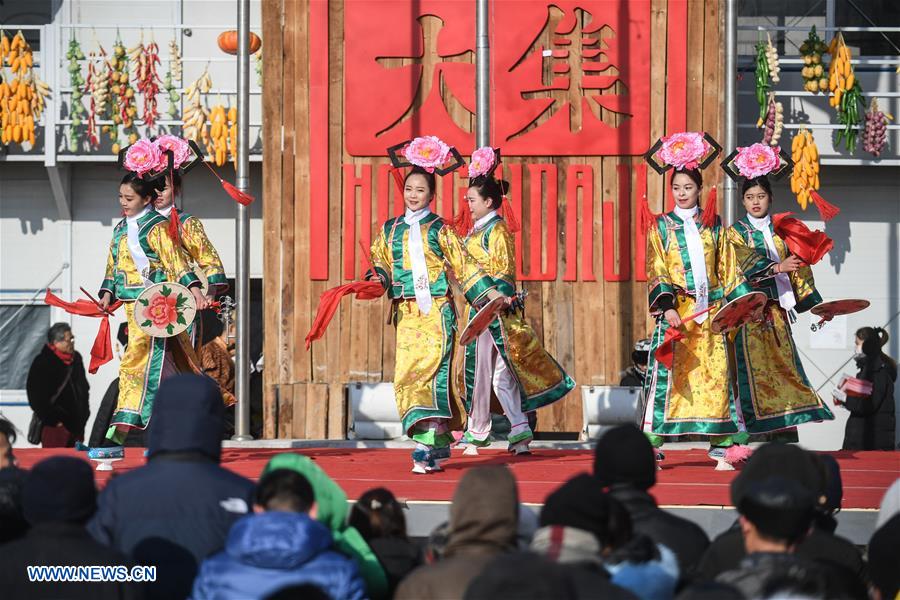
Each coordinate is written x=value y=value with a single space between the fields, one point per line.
x=413 y=256
x=142 y=253
x=507 y=358
x=773 y=390
x=690 y=266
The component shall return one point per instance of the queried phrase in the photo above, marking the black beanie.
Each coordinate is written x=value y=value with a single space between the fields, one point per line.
x=60 y=488
x=781 y=460
x=625 y=455
x=582 y=504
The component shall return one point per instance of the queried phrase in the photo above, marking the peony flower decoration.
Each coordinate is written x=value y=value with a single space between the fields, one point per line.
x=181 y=151
x=482 y=162
x=428 y=152
x=161 y=311
x=142 y=157
x=756 y=160
x=684 y=150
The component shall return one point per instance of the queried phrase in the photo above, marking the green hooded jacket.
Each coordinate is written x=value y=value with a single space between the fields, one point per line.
x=332 y=511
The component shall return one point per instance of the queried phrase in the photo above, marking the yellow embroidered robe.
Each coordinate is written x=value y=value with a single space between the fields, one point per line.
x=541 y=380
x=773 y=389
x=694 y=396
x=425 y=343
x=141 y=368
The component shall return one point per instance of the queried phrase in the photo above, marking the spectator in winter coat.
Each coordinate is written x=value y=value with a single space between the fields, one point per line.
x=821 y=545
x=483 y=519
x=176 y=511
x=12 y=478
x=280 y=548
x=331 y=510
x=873 y=420
x=625 y=462
x=884 y=561
x=775 y=514
x=378 y=516
x=57 y=389
x=580 y=526
x=59 y=497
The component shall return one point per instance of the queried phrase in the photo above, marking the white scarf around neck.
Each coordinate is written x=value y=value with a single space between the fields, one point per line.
x=698 y=260
x=786 y=298
x=166 y=211
x=421 y=284
x=141 y=262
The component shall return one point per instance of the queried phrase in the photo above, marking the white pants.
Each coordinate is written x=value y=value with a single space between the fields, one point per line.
x=491 y=371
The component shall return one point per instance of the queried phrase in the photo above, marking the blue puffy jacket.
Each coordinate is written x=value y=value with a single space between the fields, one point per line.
x=270 y=551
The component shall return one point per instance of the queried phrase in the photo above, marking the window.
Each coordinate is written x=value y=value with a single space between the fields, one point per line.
x=20 y=341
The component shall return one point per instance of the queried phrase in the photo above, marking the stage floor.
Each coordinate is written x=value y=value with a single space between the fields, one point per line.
x=687 y=478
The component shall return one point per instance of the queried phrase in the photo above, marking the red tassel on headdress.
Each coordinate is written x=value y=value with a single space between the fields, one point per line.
x=711 y=212
x=646 y=217
x=174 y=225
x=236 y=194
x=827 y=210
x=462 y=223
x=506 y=211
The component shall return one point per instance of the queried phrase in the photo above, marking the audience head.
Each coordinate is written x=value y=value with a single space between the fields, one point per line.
x=647 y=569
x=581 y=503
x=710 y=590
x=884 y=550
x=485 y=509
x=781 y=460
x=776 y=514
x=284 y=490
x=188 y=416
x=60 y=489
x=60 y=337
x=523 y=576
x=378 y=514
x=7 y=439
x=625 y=456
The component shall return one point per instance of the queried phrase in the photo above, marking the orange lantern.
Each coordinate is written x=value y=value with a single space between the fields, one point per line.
x=228 y=42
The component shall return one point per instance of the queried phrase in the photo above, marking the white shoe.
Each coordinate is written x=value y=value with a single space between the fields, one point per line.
x=419 y=468
x=723 y=465
x=470 y=450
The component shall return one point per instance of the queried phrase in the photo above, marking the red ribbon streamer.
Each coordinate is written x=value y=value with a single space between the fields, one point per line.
x=236 y=194
x=809 y=246
x=330 y=299
x=666 y=351
x=101 y=351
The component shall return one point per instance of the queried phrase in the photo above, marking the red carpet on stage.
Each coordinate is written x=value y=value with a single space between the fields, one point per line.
x=687 y=478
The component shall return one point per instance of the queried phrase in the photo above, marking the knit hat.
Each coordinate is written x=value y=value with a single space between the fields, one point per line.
x=625 y=455
x=60 y=488
x=581 y=503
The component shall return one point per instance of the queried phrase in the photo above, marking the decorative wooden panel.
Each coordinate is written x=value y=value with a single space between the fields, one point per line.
x=579 y=90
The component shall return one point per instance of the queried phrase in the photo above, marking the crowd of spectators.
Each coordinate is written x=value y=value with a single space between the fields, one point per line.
x=213 y=534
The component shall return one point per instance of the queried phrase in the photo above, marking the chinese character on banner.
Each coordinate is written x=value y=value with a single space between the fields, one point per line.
x=409 y=70
x=572 y=78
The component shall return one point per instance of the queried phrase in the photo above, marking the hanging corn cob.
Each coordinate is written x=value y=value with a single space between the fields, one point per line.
x=22 y=97
x=805 y=176
x=847 y=93
x=875 y=132
x=217 y=146
x=814 y=79
x=232 y=135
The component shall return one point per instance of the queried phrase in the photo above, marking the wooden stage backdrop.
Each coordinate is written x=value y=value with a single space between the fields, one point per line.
x=579 y=91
